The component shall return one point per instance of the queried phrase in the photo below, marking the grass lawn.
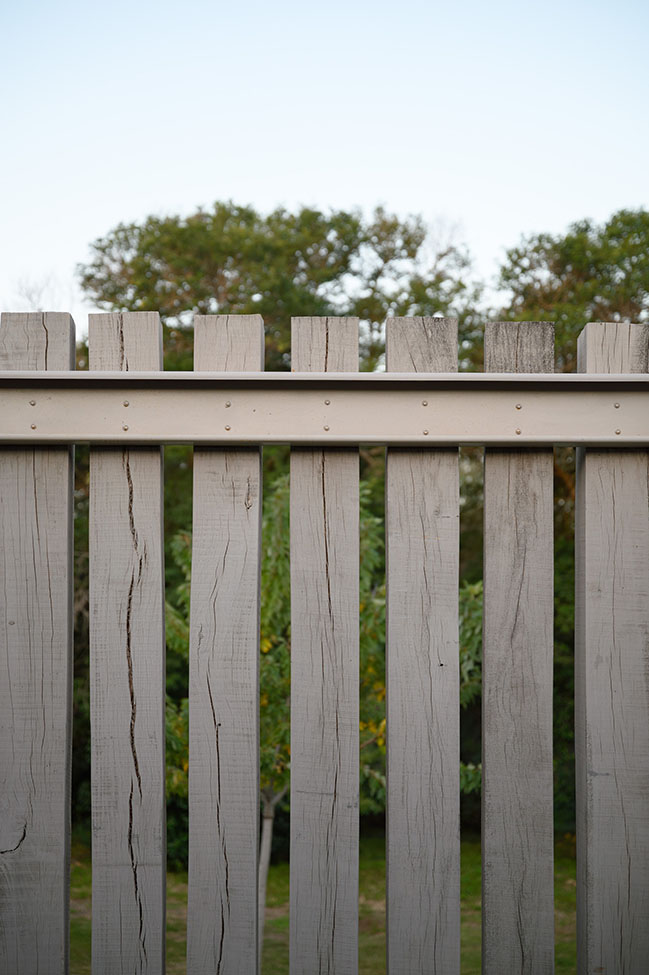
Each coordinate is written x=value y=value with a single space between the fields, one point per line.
x=372 y=912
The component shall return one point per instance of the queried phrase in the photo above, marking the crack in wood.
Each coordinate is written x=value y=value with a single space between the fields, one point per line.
x=47 y=340
x=123 y=361
x=131 y=685
x=134 y=866
x=18 y=844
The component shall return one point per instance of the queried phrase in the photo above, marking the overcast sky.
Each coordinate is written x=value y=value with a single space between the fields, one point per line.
x=502 y=118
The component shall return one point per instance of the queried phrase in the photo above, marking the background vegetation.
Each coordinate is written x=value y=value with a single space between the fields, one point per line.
x=232 y=259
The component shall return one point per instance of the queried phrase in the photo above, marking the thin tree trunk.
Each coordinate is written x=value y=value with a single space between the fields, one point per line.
x=267 y=822
x=268 y=819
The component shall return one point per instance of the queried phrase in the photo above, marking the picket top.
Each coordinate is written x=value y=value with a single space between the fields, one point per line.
x=228 y=343
x=613 y=347
x=125 y=341
x=36 y=340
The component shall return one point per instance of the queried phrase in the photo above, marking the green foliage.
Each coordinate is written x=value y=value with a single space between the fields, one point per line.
x=275 y=649
x=234 y=260
x=275 y=643
x=470 y=608
x=470 y=627
x=275 y=652
x=594 y=272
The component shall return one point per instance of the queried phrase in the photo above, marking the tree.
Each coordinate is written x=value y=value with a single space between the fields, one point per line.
x=234 y=260
x=594 y=272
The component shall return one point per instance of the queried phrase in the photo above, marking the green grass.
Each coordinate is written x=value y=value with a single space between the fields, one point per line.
x=371 y=912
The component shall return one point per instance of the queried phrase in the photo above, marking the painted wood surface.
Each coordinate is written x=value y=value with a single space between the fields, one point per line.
x=324 y=678
x=36 y=672
x=517 y=812
x=224 y=677
x=612 y=680
x=127 y=676
x=422 y=677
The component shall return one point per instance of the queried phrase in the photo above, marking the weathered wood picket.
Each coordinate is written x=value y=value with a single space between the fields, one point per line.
x=422 y=409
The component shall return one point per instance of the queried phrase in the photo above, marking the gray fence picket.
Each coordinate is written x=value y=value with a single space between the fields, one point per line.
x=36 y=667
x=422 y=677
x=324 y=677
x=127 y=674
x=224 y=677
x=517 y=822
x=612 y=679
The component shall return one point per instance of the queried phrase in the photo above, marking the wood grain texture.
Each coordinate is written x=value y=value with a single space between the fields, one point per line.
x=612 y=680
x=127 y=676
x=36 y=672
x=324 y=679
x=517 y=810
x=422 y=678
x=224 y=678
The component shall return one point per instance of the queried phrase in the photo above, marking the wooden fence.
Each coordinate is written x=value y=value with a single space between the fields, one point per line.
x=518 y=418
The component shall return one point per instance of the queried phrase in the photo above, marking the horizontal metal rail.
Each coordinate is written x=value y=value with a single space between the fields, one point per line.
x=498 y=409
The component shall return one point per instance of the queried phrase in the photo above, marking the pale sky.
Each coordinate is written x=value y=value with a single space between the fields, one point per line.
x=502 y=118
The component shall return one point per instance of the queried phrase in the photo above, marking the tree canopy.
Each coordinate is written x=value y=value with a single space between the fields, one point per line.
x=234 y=260
x=594 y=272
